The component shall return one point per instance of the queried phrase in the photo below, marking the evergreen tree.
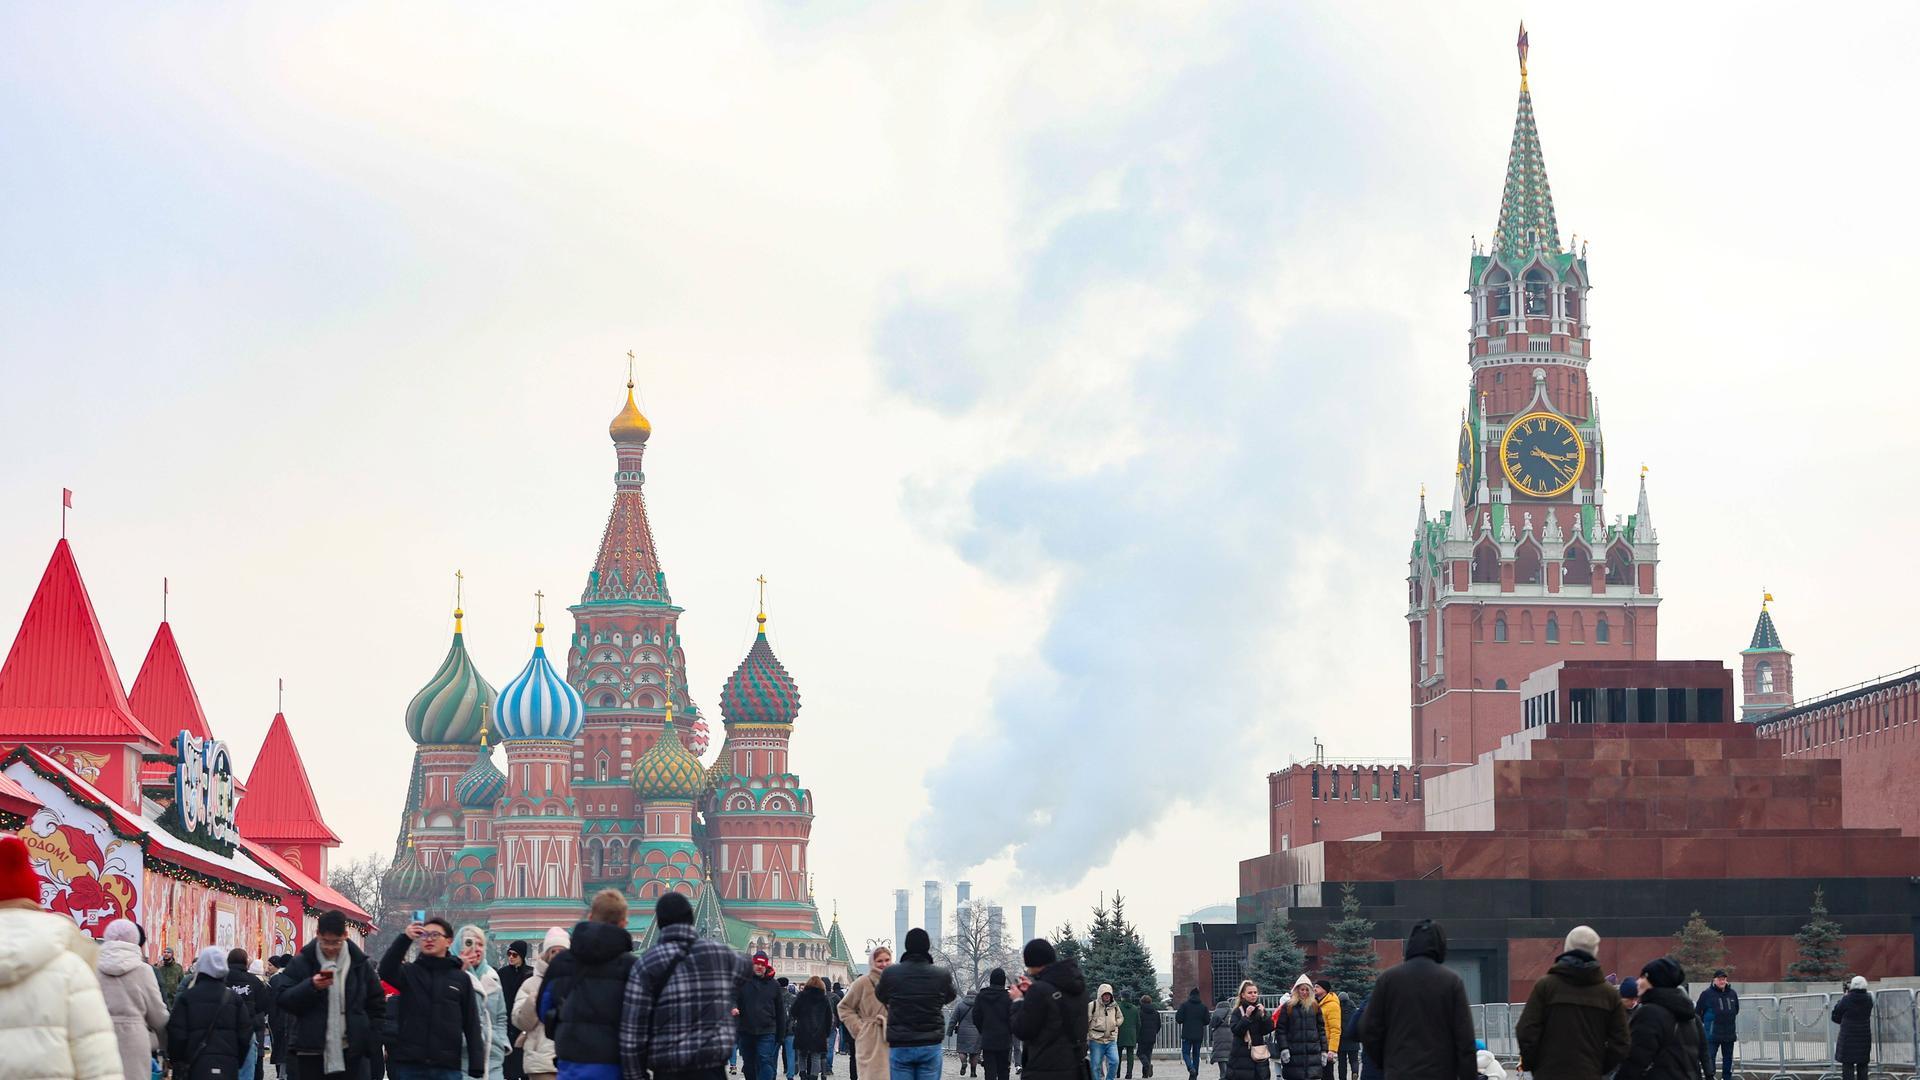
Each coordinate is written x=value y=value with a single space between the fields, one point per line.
x=1129 y=966
x=1278 y=960
x=1700 y=949
x=1067 y=944
x=1821 y=959
x=1353 y=965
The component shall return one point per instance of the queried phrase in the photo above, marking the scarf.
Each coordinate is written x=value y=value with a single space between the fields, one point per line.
x=333 y=1052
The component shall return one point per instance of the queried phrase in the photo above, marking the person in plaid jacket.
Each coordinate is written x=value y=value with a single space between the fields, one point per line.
x=677 y=1021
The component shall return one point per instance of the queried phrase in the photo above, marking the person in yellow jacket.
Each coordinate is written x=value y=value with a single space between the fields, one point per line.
x=1329 y=1012
x=1103 y=1034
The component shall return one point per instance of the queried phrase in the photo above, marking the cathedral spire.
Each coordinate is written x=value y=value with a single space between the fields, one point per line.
x=628 y=566
x=1527 y=226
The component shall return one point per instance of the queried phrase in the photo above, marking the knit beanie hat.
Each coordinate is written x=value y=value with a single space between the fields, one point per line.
x=1583 y=939
x=1303 y=981
x=1664 y=973
x=517 y=948
x=998 y=977
x=557 y=938
x=673 y=909
x=1630 y=990
x=918 y=941
x=17 y=879
x=1038 y=953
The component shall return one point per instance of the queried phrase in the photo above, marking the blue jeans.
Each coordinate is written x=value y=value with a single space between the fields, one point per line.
x=761 y=1053
x=252 y=1058
x=786 y=1056
x=914 y=1062
x=1109 y=1053
x=833 y=1036
x=1190 y=1055
x=400 y=1070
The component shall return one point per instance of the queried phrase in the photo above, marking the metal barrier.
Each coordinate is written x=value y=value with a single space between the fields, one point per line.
x=1776 y=1034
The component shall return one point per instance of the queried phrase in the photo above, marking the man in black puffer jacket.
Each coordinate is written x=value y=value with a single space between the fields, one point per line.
x=588 y=989
x=1666 y=1032
x=1574 y=1026
x=306 y=1001
x=436 y=1012
x=760 y=1016
x=1417 y=1025
x=992 y=1016
x=210 y=1029
x=916 y=992
x=1050 y=1015
x=1192 y=1018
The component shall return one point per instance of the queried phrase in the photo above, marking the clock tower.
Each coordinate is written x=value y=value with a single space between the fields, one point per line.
x=1524 y=569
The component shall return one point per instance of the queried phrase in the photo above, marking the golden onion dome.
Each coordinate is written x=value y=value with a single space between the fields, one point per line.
x=630 y=425
x=668 y=770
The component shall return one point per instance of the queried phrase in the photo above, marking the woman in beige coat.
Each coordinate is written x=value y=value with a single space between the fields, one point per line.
x=866 y=1018
x=536 y=1057
x=133 y=998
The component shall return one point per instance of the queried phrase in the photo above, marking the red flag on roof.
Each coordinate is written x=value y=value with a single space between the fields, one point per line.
x=66 y=498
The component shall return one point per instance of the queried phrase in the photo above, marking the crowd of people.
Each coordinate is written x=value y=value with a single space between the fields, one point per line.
x=584 y=1005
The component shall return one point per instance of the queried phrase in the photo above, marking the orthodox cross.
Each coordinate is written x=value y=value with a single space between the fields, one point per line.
x=629 y=369
x=762 y=579
x=539 y=606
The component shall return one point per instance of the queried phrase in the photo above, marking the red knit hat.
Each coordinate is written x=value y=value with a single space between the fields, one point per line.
x=17 y=879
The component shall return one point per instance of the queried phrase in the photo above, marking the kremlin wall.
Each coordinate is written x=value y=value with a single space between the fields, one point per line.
x=1559 y=772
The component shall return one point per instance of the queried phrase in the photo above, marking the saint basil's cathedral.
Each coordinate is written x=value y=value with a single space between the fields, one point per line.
x=603 y=785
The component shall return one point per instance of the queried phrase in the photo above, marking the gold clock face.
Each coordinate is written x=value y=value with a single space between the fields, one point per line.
x=1469 y=461
x=1542 y=454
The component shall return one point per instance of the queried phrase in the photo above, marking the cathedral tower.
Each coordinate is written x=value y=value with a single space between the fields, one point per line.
x=446 y=721
x=536 y=828
x=1524 y=569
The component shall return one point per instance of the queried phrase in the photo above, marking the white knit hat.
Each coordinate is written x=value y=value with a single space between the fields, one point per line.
x=557 y=938
x=1859 y=983
x=1303 y=981
x=1583 y=939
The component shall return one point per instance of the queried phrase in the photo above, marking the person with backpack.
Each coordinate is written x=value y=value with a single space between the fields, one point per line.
x=1191 y=1018
x=1049 y=1014
x=332 y=1008
x=211 y=1029
x=1854 y=1044
x=1666 y=1036
x=1220 y=1036
x=676 y=1019
x=435 y=1016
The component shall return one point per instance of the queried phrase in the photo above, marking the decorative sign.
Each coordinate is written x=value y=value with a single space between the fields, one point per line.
x=86 y=872
x=203 y=799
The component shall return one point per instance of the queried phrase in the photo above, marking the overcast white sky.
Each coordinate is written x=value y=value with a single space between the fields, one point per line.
x=1070 y=371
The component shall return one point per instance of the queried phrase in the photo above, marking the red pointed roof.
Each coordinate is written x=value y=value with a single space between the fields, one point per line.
x=280 y=803
x=163 y=696
x=59 y=680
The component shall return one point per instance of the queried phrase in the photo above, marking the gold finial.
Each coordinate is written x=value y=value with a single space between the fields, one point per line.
x=539 y=618
x=1643 y=470
x=1423 y=485
x=1521 y=45
x=629 y=369
x=669 y=681
x=485 y=724
x=459 y=594
x=762 y=617
x=1765 y=599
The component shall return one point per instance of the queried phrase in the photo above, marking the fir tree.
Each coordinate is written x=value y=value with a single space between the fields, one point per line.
x=1700 y=949
x=1278 y=960
x=1353 y=965
x=1129 y=965
x=1821 y=958
x=1067 y=944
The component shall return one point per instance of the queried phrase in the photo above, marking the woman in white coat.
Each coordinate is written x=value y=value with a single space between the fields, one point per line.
x=493 y=1001
x=53 y=1020
x=133 y=998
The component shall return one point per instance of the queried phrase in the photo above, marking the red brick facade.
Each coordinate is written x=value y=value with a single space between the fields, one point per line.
x=1873 y=732
x=1320 y=801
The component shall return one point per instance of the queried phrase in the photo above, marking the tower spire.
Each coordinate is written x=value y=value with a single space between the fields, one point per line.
x=459 y=594
x=762 y=617
x=1527 y=225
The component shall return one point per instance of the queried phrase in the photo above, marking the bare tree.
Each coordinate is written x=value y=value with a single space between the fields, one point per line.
x=362 y=881
x=976 y=942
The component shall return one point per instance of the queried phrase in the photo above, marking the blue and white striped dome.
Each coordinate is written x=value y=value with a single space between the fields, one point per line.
x=538 y=703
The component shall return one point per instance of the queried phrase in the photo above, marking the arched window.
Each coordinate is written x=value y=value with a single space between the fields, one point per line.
x=606 y=701
x=1576 y=566
x=1499 y=628
x=1526 y=564
x=1499 y=684
x=1313 y=781
x=1572 y=297
x=1538 y=288
x=1553 y=628
x=1619 y=565
x=1763 y=675
x=1601 y=632
x=1486 y=563
x=1499 y=294
x=600 y=764
x=1334 y=786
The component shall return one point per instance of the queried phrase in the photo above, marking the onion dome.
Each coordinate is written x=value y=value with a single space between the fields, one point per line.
x=760 y=691
x=451 y=708
x=480 y=787
x=668 y=770
x=629 y=426
x=538 y=703
x=406 y=879
x=721 y=768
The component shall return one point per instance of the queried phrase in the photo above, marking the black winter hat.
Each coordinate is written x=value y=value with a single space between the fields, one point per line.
x=998 y=977
x=672 y=909
x=1039 y=953
x=1665 y=972
x=918 y=941
x=1630 y=990
x=517 y=948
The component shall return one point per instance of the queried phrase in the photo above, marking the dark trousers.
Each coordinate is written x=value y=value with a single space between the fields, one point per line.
x=1725 y=1050
x=312 y=1066
x=1349 y=1058
x=1190 y=1056
x=997 y=1063
x=759 y=1054
x=1146 y=1061
x=1126 y=1059
x=1853 y=1070
x=717 y=1072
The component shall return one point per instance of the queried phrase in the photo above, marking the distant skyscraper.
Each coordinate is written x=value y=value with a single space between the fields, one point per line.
x=1028 y=915
x=996 y=930
x=962 y=892
x=936 y=908
x=899 y=920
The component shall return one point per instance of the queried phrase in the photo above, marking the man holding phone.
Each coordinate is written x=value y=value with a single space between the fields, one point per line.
x=436 y=1010
x=335 y=1006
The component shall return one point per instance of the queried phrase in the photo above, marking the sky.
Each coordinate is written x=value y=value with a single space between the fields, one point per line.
x=1070 y=372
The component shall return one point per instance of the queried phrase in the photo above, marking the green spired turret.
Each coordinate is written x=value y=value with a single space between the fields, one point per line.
x=1527 y=226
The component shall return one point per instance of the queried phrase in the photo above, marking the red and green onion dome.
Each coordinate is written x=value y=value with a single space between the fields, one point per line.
x=760 y=691
x=451 y=708
x=480 y=787
x=407 y=879
x=538 y=703
x=668 y=770
x=718 y=772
